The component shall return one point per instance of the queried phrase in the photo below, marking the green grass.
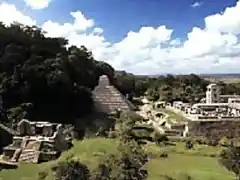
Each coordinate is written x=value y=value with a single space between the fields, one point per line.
x=196 y=162
x=88 y=151
x=200 y=168
x=179 y=148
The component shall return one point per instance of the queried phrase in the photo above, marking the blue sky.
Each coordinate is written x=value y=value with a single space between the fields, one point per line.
x=119 y=17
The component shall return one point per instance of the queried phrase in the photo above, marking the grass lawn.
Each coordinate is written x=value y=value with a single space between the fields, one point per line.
x=88 y=151
x=200 y=168
x=195 y=162
x=179 y=148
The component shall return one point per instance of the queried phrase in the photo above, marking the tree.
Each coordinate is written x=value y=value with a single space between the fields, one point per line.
x=71 y=170
x=127 y=122
x=189 y=144
x=41 y=71
x=152 y=94
x=160 y=138
x=127 y=164
x=230 y=159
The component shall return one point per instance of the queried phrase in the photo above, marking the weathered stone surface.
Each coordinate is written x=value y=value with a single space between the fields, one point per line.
x=36 y=138
x=107 y=99
x=214 y=129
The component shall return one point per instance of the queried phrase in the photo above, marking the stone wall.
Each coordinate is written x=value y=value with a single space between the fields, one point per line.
x=214 y=129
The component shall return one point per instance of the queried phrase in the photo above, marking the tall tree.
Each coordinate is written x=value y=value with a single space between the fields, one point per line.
x=230 y=159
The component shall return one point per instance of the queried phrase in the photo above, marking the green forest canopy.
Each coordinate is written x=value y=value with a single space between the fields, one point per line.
x=41 y=79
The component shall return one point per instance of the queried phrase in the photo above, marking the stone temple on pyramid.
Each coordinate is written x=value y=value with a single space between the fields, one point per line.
x=108 y=104
x=107 y=99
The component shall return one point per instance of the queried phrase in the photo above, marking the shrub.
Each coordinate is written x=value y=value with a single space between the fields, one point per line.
x=189 y=144
x=70 y=170
x=230 y=159
x=224 y=141
x=160 y=138
x=42 y=175
x=163 y=155
x=201 y=141
x=112 y=134
x=212 y=142
x=128 y=163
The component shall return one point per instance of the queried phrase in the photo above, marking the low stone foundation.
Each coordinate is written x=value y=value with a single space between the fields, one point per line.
x=214 y=129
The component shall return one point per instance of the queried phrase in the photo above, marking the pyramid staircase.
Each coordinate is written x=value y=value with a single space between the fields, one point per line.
x=28 y=153
x=16 y=155
x=29 y=156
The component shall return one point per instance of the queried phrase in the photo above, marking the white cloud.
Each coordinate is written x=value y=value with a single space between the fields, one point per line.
x=9 y=14
x=226 y=22
x=212 y=49
x=80 y=23
x=98 y=30
x=75 y=32
x=37 y=4
x=197 y=4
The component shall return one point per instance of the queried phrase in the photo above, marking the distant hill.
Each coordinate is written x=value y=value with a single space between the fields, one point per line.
x=220 y=75
x=227 y=78
x=203 y=75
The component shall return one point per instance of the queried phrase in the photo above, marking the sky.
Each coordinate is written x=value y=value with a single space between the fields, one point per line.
x=145 y=37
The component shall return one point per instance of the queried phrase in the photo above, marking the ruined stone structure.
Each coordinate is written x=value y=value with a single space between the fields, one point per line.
x=212 y=94
x=36 y=142
x=214 y=129
x=108 y=104
x=107 y=99
x=218 y=116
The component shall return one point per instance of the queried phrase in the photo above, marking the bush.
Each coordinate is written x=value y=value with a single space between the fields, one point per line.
x=160 y=138
x=224 y=141
x=212 y=142
x=112 y=134
x=189 y=144
x=42 y=175
x=128 y=163
x=230 y=159
x=201 y=141
x=70 y=170
x=163 y=155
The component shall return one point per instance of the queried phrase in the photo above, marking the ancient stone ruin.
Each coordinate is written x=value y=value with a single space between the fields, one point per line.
x=108 y=104
x=37 y=142
x=107 y=99
x=216 y=116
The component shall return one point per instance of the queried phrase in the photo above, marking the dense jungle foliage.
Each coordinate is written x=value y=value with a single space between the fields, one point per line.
x=41 y=79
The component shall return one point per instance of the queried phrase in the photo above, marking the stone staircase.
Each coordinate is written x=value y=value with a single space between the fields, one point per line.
x=16 y=155
x=172 y=132
x=29 y=156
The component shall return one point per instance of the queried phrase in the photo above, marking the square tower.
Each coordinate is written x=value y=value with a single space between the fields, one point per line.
x=212 y=94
